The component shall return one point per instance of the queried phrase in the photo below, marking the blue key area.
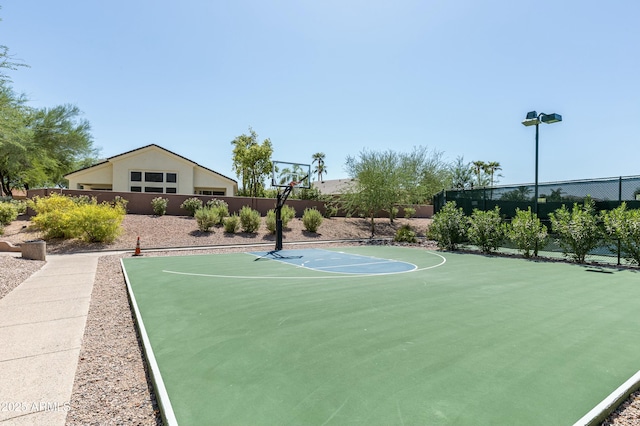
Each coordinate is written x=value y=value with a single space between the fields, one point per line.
x=336 y=262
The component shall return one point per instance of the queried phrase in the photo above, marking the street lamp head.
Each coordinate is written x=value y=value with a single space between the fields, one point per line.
x=550 y=118
x=531 y=115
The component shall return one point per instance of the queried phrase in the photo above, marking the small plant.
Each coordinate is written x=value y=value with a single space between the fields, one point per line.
x=206 y=217
x=231 y=224
x=409 y=212
x=448 y=228
x=311 y=219
x=159 y=206
x=119 y=201
x=270 y=221
x=527 y=232
x=249 y=219
x=8 y=213
x=214 y=202
x=286 y=214
x=486 y=229
x=405 y=234
x=330 y=210
x=623 y=225
x=191 y=205
x=578 y=231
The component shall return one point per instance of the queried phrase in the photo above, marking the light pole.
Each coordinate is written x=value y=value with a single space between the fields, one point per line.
x=533 y=118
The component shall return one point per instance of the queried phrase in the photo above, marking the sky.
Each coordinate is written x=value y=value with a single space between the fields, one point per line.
x=343 y=76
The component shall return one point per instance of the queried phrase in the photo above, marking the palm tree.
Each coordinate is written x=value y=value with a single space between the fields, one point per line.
x=480 y=167
x=491 y=168
x=320 y=169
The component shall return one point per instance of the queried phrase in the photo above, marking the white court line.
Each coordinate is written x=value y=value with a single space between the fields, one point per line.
x=382 y=262
x=335 y=274
x=162 y=396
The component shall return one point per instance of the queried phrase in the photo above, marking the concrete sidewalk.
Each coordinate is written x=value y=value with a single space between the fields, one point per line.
x=42 y=323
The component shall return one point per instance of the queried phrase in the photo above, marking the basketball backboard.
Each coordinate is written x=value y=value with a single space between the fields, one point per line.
x=287 y=174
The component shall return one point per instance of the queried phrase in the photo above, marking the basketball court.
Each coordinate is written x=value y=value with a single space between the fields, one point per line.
x=382 y=335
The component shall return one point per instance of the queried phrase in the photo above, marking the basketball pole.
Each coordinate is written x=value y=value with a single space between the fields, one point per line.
x=280 y=200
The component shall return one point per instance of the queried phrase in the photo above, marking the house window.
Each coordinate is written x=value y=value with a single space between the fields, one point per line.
x=136 y=176
x=136 y=189
x=153 y=189
x=172 y=177
x=210 y=192
x=153 y=177
x=171 y=190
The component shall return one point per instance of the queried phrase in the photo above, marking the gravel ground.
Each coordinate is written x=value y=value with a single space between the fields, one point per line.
x=112 y=384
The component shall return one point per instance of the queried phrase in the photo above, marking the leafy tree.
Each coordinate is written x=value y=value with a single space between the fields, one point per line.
x=423 y=174
x=63 y=143
x=252 y=162
x=375 y=186
x=16 y=139
x=383 y=180
x=461 y=174
x=320 y=169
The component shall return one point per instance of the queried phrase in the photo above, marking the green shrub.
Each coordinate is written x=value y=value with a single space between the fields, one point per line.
x=527 y=232
x=191 y=205
x=409 y=212
x=405 y=234
x=118 y=201
x=577 y=230
x=206 y=217
x=311 y=219
x=53 y=214
x=448 y=228
x=286 y=214
x=159 y=206
x=96 y=222
x=231 y=224
x=8 y=213
x=249 y=219
x=330 y=210
x=221 y=211
x=623 y=225
x=214 y=202
x=1 y=229
x=270 y=221
x=486 y=229
x=59 y=216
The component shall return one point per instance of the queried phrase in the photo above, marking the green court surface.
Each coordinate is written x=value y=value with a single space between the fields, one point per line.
x=458 y=340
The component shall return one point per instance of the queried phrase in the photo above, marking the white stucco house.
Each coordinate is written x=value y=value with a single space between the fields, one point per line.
x=152 y=169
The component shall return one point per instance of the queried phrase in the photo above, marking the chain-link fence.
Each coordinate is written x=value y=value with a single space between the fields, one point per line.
x=608 y=193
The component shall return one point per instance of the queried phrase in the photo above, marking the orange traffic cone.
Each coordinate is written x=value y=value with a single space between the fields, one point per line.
x=138 y=253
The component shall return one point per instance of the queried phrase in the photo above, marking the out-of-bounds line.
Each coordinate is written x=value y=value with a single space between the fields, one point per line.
x=166 y=410
x=334 y=274
x=610 y=403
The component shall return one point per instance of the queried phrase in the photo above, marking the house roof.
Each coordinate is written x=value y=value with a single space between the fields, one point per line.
x=334 y=186
x=146 y=147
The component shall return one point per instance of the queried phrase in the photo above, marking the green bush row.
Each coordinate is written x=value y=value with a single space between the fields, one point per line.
x=578 y=230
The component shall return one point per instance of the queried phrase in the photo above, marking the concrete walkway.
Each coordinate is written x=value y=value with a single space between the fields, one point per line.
x=42 y=323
